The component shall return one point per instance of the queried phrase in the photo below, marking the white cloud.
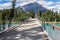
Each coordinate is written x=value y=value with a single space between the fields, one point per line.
x=22 y=4
x=55 y=7
x=5 y=5
x=50 y=5
x=25 y=1
x=44 y=3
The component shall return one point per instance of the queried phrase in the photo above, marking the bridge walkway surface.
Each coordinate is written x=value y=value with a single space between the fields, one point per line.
x=30 y=30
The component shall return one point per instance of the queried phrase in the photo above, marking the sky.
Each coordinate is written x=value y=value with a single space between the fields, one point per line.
x=49 y=4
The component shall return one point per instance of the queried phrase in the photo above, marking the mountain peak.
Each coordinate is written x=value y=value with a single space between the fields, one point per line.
x=34 y=6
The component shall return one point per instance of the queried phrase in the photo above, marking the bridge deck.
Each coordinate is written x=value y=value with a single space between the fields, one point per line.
x=1 y=31
x=27 y=31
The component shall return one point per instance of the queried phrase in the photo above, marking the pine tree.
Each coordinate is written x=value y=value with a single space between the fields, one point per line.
x=12 y=12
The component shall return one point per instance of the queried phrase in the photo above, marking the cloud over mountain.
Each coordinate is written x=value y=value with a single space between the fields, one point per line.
x=49 y=4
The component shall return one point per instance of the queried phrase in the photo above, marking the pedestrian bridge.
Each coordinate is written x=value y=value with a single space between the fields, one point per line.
x=29 y=30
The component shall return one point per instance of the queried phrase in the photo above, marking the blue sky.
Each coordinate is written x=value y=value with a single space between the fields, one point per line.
x=49 y=4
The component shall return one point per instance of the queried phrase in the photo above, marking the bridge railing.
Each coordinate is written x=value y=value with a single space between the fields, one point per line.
x=52 y=32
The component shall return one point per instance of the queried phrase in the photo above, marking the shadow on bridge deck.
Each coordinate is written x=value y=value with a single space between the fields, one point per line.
x=29 y=34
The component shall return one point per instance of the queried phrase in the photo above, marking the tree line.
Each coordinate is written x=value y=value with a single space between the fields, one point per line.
x=10 y=16
x=49 y=15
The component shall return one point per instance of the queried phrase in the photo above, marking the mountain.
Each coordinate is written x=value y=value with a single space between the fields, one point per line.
x=34 y=6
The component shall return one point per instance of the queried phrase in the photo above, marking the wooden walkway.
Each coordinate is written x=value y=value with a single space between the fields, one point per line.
x=30 y=30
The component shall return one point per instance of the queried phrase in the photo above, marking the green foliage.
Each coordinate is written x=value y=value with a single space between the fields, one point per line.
x=32 y=14
x=49 y=15
x=5 y=14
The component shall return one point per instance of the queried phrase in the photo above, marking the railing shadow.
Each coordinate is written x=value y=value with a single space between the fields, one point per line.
x=29 y=34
